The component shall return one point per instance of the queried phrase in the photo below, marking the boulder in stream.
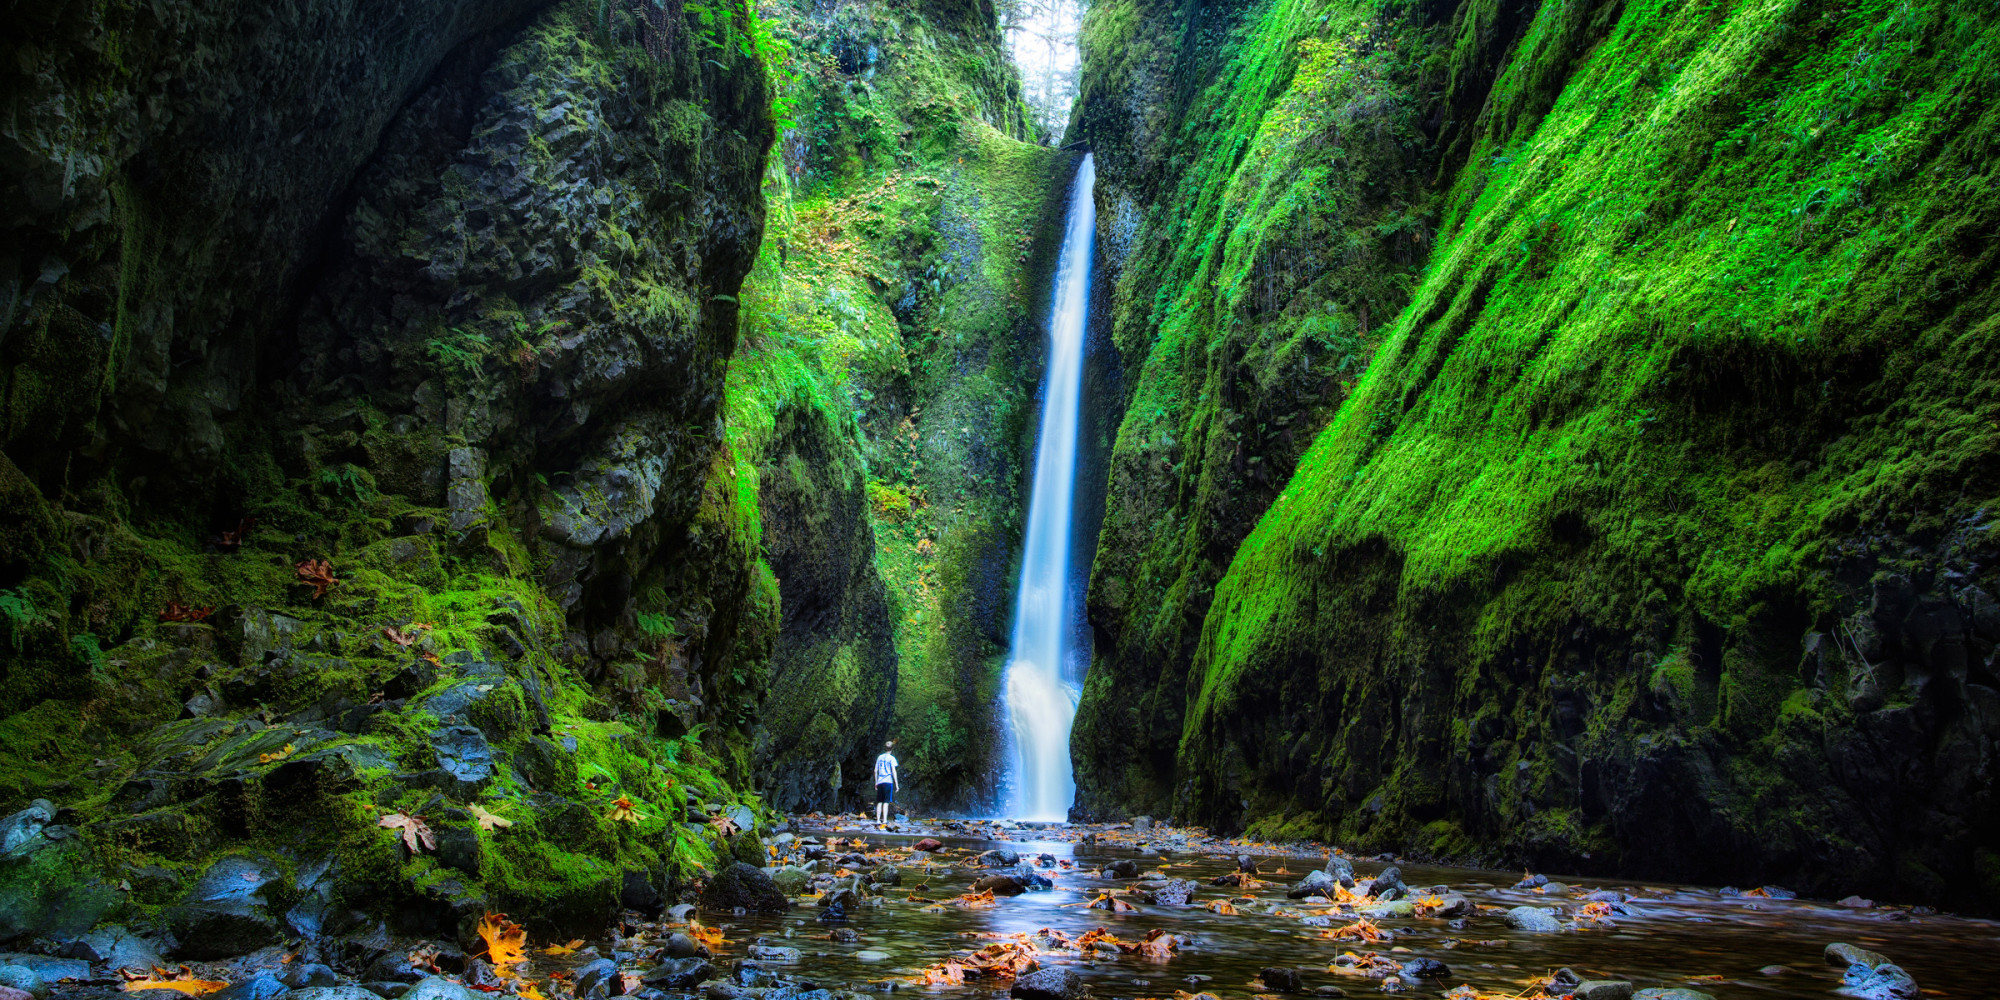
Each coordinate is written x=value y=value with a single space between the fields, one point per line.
x=1883 y=982
x=1602 y=989
x=1050 y=984
x=740 y=885
x=1316 y=883
x=1533 y=919
x=1278 y=979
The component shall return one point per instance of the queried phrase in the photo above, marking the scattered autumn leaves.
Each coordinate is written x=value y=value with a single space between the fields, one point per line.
x=182 y=980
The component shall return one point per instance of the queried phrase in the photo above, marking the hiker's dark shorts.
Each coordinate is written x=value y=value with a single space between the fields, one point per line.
x=885 y=792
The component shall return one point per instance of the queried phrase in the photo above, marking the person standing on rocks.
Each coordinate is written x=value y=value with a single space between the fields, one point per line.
x=885 y=783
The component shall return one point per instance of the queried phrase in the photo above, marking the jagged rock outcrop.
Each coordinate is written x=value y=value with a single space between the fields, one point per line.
x=372 y=532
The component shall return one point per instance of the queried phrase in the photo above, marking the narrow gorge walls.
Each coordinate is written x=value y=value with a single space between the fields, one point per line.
x=884 y=394
x=1610 y=390
x=363 y=369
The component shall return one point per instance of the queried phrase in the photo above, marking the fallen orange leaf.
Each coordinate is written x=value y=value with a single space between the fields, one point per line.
x=506 y=943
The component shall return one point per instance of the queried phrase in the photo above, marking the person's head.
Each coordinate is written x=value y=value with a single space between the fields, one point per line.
x=891 y=745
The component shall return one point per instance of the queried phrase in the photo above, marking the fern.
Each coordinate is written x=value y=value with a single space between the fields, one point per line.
x=21 y=614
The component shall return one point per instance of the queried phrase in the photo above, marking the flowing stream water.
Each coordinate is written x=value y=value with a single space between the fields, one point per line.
x=1670 y=936
x=1041 y=702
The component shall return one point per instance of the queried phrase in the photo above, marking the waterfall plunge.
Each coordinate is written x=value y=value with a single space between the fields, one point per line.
x=1041 y=704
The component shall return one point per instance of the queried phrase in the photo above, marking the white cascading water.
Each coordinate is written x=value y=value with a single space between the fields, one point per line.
x=1041 y=704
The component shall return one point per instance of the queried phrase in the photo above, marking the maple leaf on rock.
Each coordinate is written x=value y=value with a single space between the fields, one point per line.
x=317 y=574
x=266 y=758
x=506 y=943
x=529 y=991
x=724 y=825
x=399 y=637
x=489 y=821
x=624 y=811
x=415 y=831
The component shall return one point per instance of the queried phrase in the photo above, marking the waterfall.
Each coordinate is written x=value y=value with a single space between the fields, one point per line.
x=1041 y=704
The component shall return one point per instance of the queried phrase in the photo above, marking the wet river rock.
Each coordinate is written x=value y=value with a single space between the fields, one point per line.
x=1533 y=919
x=740 y=885
x=1176 y=892
x=1883 y=982
x=679 y=973
x=1050 y=984
x=1602 y=989
x=1840 y=955
x=1278 y=979
x=1000 y=885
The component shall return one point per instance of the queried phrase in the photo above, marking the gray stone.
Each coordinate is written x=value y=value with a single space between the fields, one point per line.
x=1279 y=979
x=1050 y=984
x=52 y=970
x=1316 y=883
x=775 y=954
x=19 y=831
x=1000 y=885
x=679 y=973
x=1533 y=919
x=791 y=879
x=337 y=993
x=1603 y=989
x=1452 y=905
x=1177 y=892
x=1671 y=993
x=886 y=875
x=599 y=976
x=438 y=988
x=681 y=946
x=463 y=753
x=742 y=886
x=1122 y=868
x=1425 y=968
x=1395 y=909
x=22 y=978
x=868 y=955
x=114 y=946
x=1141 y=824
x=262 y=986
x=1883 y=982
x=225 y=913
x=998 y=859
x=311 y=975
x=1840 y=955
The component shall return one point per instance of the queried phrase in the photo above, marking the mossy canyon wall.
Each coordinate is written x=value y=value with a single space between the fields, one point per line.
x=1558 y=434
x=659 y=469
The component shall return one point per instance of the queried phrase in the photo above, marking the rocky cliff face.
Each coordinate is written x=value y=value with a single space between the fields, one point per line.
x=1608 y=389
x=363 y=370
x=884 y=394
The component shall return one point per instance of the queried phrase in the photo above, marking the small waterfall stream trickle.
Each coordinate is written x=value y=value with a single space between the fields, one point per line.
x=1040 y=702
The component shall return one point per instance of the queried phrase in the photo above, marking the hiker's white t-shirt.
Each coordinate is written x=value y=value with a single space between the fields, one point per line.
x=885 y=769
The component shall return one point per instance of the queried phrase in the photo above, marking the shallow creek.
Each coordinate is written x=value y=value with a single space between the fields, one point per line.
x=1677 y=936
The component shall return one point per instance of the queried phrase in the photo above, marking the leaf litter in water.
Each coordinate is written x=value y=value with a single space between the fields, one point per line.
x=181 y=981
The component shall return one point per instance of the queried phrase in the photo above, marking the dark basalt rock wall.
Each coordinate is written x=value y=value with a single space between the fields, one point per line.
x=442 y=294
x=1526 y=460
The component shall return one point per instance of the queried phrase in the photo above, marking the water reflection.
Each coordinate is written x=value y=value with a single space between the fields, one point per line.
x=1680 y=936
